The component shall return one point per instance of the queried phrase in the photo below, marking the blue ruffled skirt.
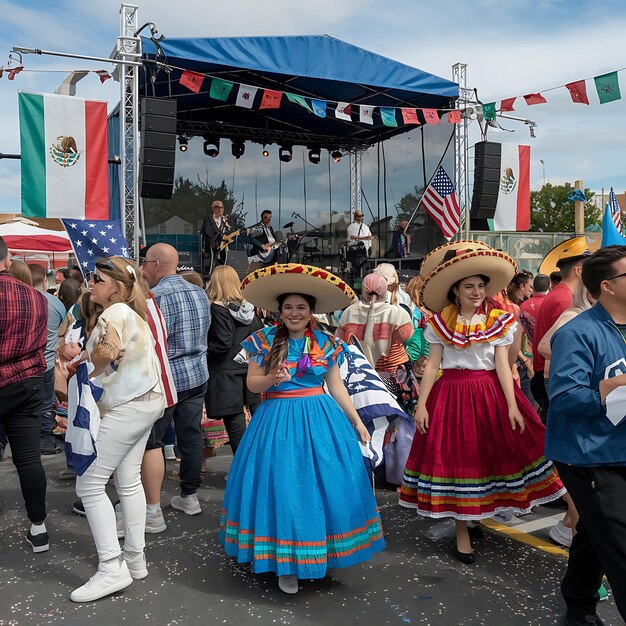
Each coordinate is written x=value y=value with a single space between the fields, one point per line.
x=298 y=499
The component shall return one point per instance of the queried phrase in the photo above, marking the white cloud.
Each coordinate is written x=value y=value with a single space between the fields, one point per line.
x=510 y=49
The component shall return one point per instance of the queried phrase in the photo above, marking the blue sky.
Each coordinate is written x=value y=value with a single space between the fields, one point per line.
x=511 y=48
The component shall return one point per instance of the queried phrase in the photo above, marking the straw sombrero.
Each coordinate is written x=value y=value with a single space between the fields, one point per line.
x=498 y=266
x=435 y=257
x=263 y=286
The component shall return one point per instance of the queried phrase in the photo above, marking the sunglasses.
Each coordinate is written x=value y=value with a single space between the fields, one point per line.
x=144 y=261
x=97 y=278
x=617 y=276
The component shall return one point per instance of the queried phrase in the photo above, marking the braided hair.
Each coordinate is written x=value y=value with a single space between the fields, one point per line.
x=280 y=346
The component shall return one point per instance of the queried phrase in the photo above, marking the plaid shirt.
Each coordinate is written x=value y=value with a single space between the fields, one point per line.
x=23 y=331
x=187 y=314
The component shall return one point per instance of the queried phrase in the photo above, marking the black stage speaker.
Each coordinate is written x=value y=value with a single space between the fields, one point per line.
x=487 y=155
x=238 y=260
x=157 y=156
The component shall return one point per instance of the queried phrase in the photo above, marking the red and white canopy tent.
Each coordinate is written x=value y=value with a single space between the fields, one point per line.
x=23 y=238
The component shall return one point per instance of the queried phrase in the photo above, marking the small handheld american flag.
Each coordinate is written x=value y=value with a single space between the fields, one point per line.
x=616 y=214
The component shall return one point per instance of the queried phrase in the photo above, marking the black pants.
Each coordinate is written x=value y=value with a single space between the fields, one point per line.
x=187 y=415
x=538 y=389
x=21 y=405
x=599 y=546
x=235 y=423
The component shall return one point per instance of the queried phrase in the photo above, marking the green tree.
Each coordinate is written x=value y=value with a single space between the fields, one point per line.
x=406 y=206
x=192 y=202
x=551 y=211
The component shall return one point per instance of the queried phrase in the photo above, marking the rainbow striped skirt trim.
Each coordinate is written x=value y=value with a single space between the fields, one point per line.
x=334 y=551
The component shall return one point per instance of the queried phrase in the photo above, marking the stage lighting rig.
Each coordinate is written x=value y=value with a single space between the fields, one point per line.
x=211 y=145
x=238 y=148
x=285 y=153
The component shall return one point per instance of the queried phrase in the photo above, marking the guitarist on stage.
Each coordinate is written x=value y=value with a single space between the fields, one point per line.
x=263 y=239
x=214 y=227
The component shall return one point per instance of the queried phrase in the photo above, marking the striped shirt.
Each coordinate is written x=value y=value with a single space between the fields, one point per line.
x=187 y=315
x=23 y=330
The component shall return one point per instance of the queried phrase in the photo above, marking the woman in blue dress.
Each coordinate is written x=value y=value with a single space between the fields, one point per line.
x=298 y=499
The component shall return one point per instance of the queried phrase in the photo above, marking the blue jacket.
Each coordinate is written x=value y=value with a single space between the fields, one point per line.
x=586 y=350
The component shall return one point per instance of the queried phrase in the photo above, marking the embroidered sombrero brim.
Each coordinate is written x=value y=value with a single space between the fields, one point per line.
x=263 y=286
x=498 y=266
x=435 y=257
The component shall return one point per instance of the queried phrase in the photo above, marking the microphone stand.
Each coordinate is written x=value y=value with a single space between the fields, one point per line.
x=315 y=232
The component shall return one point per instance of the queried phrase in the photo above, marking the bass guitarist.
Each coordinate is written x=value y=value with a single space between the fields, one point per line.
x=263 y=238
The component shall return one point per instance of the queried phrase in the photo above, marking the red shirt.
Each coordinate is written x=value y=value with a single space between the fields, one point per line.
x=23 y=330
x=529 y=309
x=557 y=301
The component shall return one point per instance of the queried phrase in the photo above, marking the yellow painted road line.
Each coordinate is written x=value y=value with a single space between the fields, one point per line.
x=523 y=537
x=538 y=524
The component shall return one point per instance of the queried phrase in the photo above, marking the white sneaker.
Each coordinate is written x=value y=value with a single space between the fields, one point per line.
x=155 y=522
x=189 y=504
x=288 y=584
x=112 y=576
x=561 y=534
x=170 y=455
x=136 y=563
x=504 y=517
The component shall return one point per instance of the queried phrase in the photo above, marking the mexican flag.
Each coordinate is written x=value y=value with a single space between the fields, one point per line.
x=513 y=208
x=64 y=145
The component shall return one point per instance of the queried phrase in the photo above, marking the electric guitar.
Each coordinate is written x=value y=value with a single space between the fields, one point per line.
x=267 y=255
x=228 y=239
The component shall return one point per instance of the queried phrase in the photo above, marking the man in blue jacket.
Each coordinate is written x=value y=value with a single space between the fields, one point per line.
x=586 y=435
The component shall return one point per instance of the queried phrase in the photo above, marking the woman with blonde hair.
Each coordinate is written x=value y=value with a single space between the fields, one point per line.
x=232 y=320
x=121 y=351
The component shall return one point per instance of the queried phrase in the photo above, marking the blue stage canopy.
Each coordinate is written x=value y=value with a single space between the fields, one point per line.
x=317 y=67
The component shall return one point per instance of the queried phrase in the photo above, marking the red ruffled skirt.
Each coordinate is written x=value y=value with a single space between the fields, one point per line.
x=471 y=464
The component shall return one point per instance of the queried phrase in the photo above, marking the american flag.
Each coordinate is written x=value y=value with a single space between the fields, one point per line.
x=616 y=214
x=440 y=203
x=95 y=239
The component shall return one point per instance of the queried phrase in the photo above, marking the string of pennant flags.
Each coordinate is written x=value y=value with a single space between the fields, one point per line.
x=606 y=85
x=246 y=97
x=12 y=72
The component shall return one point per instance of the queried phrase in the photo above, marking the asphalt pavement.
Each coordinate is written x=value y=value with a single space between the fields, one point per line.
x=415 y=580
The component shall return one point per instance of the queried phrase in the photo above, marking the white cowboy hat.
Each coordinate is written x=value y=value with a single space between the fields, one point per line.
x=263 y=286
x=497 y=266
x=435 y=257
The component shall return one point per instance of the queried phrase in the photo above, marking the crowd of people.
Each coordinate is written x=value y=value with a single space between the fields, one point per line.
x=515 y=384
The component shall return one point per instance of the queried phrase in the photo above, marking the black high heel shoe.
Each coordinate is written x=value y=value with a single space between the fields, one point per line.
x=476 y=531
x=464 y=557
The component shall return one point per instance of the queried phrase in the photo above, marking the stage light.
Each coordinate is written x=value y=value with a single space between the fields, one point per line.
x=285 y=153
x=336 y=154
x=314 y=155
x=182 y=143
x=211 y=146
x=238 y=148
x=265 y=152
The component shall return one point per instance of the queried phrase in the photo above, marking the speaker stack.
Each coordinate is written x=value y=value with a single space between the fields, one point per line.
x=157 y=157
x=238 y=260
x=487 y=157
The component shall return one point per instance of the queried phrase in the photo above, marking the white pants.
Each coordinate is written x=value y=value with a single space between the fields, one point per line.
x=120 y=445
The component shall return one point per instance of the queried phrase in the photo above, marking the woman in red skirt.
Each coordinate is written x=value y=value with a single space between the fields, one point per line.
x=479 y=445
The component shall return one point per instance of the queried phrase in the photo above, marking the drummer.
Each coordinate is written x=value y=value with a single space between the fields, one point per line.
x=359 y=232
